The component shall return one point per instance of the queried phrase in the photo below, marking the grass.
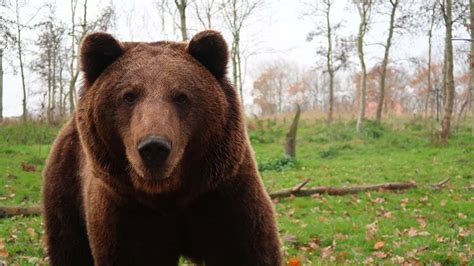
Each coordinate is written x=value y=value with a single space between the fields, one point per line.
x=417 y=226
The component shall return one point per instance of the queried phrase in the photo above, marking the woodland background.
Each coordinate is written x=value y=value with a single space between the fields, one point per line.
x=362 y=112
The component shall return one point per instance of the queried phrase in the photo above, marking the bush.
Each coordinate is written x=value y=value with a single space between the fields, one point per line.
x=373 y=130
x=277 y=164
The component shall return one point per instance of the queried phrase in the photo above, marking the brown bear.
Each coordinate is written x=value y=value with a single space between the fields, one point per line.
x=156 y=164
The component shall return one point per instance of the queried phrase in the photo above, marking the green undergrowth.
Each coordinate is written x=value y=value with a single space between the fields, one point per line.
x=423 y=225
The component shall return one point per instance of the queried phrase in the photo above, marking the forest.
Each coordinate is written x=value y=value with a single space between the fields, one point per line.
x=360 y=113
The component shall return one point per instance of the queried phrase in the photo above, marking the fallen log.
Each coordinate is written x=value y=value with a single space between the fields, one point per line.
x=10 y=211
x=299 y=191
x=296 y=191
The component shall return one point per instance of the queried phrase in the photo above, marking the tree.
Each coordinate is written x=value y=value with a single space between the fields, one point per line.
x=471 y=65
x=102 y=22
x=271 y=88
x=176 y=9
x=388 y=44
x=290 y=142
x=334 y=60
x=364 y=9
x=48 y=64
x=7 y=42
x=446 y=6
x=19 y=46
x=181 y=6
x=205 y=11
x=236 y=14
x=1 y=84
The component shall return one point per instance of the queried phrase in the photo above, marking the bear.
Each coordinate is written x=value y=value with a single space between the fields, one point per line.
x=155 y=164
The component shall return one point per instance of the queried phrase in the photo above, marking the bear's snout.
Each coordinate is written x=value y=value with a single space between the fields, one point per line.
x=154 y=151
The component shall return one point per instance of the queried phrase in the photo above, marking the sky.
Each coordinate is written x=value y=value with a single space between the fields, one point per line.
x=276 y=31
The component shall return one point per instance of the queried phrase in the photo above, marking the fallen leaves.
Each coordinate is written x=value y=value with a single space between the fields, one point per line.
x=371 y=230
x=463 y=232
x=294 y=262
x=3 y=252
x=378 y=245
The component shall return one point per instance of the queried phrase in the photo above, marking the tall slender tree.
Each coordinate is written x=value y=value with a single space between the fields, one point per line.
x=181 y=6
x=206 y=10
x=387 y=46
x=449 y=70
x=236 y=14
x=364 y=9
x=471 y=66
x=19 y=45
x=1 y=84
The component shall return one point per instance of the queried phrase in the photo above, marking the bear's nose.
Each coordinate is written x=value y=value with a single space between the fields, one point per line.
x=154 y=150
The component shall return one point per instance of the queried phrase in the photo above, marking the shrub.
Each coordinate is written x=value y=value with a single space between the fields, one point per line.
x=277 y=164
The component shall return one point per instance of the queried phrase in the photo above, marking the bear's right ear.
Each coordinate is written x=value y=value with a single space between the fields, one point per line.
x=98 y=51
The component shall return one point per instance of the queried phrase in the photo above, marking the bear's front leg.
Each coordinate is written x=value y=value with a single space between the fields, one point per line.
x=234 y=225
x=123 y=232
x=102 y=219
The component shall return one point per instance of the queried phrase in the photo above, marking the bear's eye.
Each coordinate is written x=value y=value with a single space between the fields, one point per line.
x=180 y=98
x=129 y=97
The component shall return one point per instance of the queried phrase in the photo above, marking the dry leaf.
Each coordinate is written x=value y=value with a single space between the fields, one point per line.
x=443 y=203
x=424 y=199
x=290 y=238
x=294 y=262
x=412 y=232
x=325 y=252
x=3 y=253
x=462 y=215
x=313 y=245
x=31 y=232
x=424 y=233
x=379 y=254
x=422 y=221
x=379 y=245
x=463 y=232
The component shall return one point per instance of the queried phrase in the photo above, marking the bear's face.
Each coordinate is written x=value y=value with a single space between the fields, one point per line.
x=149 y=107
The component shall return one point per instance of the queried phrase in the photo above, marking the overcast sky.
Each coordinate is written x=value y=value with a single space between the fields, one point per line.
x=278 y=30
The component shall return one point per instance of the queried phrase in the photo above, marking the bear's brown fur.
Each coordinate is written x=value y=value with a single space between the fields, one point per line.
x=156 y=163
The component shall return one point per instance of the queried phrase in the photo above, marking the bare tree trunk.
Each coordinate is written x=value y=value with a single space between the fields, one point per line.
x=62 y=110
x=20 y=58
x=1 y=85
x=449 y=101
x=181 y=6
x=363 y=9
x=236 y=67
x=72 y=82
x=329 y=62
x=54 y=87
x=461 y=111
x=430 y=37
x=378 y=114
x=471 y=68
x=290 y=143
x=48 y=106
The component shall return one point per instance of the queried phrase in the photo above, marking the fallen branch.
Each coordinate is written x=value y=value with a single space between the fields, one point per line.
x=340 y=191
x=297 y=191
x=441 y=184
x=10 y=211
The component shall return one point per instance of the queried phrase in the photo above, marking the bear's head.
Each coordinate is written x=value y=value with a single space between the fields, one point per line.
x=159 y=117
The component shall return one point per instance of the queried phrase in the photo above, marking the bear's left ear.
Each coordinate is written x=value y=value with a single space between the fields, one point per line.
x=98 y=51
x=210 y=49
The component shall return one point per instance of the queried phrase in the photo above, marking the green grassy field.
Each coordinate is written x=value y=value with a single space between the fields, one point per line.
x=422 y=225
